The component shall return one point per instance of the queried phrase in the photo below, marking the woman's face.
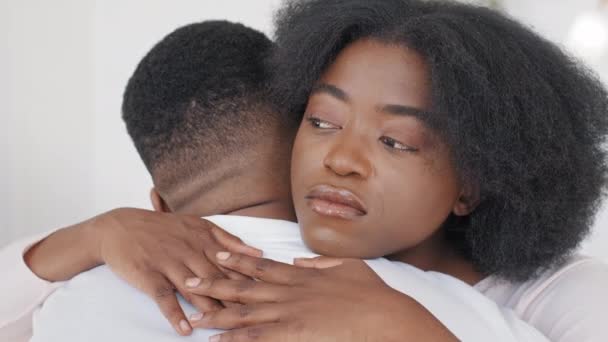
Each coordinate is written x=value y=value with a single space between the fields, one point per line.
x=368 y=178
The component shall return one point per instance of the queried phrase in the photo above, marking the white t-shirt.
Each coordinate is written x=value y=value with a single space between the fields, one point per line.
x=97 y=306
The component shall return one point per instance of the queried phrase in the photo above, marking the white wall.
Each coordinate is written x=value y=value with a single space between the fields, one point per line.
x=46 y=115
x=64 y=152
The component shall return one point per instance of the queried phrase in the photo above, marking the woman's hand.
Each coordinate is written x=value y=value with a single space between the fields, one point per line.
x=347 y=302
x=154 y=252
x=157 y=252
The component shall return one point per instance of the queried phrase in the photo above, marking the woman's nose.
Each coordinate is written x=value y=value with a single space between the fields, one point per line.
x=348 y=156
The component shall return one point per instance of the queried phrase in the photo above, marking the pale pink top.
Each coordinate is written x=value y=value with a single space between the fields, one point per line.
x=21 y=292
x=565 y=304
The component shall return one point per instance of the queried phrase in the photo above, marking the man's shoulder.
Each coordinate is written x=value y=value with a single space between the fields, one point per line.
x=261 y=232
x=94 y=298
x=95 y=286
x=280 y=240
x=258 y=225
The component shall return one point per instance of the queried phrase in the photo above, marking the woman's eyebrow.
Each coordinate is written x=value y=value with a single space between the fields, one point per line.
x=403 y=110
x=429 y=139
x=331 y=90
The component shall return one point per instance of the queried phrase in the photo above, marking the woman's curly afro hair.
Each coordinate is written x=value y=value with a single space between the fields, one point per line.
x=526 y=123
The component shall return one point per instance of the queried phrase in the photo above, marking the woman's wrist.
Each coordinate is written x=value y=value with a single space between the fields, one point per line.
x=94 y=231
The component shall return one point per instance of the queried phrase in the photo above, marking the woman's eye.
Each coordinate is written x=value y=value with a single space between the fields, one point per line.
x=318 y=123
x=392 y=143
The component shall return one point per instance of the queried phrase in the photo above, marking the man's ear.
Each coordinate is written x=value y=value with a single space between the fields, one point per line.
x=467 y=200
x=158 y=203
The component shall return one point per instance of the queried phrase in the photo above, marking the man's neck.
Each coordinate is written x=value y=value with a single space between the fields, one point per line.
x=245 y=196
x=274 y=209
x=246 y=187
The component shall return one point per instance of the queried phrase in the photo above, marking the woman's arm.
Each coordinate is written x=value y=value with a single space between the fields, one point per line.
x=21 y=291
x=345 y=303
x=349 y=302
x=66 y=252
x=568 y=305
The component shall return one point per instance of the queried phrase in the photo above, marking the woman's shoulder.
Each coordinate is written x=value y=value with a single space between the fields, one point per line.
x=578 y=275
x=565 y=302
x=576 y=272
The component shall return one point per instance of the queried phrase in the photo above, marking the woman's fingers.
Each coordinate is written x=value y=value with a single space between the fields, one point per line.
x=272 y=332
x=210 y=248
x=205 y=264
x=318 y=262
x=230 y=274
x=238 y=316
x=201 y=266
x=157 y=287
x=240 y=291
x=265 y=269
x=177 y=274
x=225 y=240
x=204 y=303
x=233 y=243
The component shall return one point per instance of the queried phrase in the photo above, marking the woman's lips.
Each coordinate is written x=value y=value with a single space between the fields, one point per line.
x=335 y=202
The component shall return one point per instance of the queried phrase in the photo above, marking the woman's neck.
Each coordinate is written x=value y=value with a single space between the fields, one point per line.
x=436 y=254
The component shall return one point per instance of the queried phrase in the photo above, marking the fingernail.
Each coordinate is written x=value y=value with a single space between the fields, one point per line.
x=215 y=338
x=184 y=326
x=193 y=282
x=196 y=316
x=222 y=256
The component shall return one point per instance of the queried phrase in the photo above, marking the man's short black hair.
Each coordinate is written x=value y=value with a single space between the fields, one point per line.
x=197 y=96
x=526 y=123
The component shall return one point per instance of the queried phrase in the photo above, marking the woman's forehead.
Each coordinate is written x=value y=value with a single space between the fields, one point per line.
x=380 y=74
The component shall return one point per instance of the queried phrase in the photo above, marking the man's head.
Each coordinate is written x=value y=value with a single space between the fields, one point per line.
x=198 y=115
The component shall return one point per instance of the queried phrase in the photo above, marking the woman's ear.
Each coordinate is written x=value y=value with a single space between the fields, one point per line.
x=467 y=201
x=158 y=203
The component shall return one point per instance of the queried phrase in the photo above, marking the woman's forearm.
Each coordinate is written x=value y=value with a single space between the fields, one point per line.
x=65 y=253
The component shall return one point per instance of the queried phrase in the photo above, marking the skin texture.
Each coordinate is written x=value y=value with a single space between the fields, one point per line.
x=361 y=133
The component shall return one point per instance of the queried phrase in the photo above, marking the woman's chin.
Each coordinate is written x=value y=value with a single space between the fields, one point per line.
x=333 y=242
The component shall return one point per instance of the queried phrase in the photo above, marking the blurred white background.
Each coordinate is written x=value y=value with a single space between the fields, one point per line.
x=65 y=154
